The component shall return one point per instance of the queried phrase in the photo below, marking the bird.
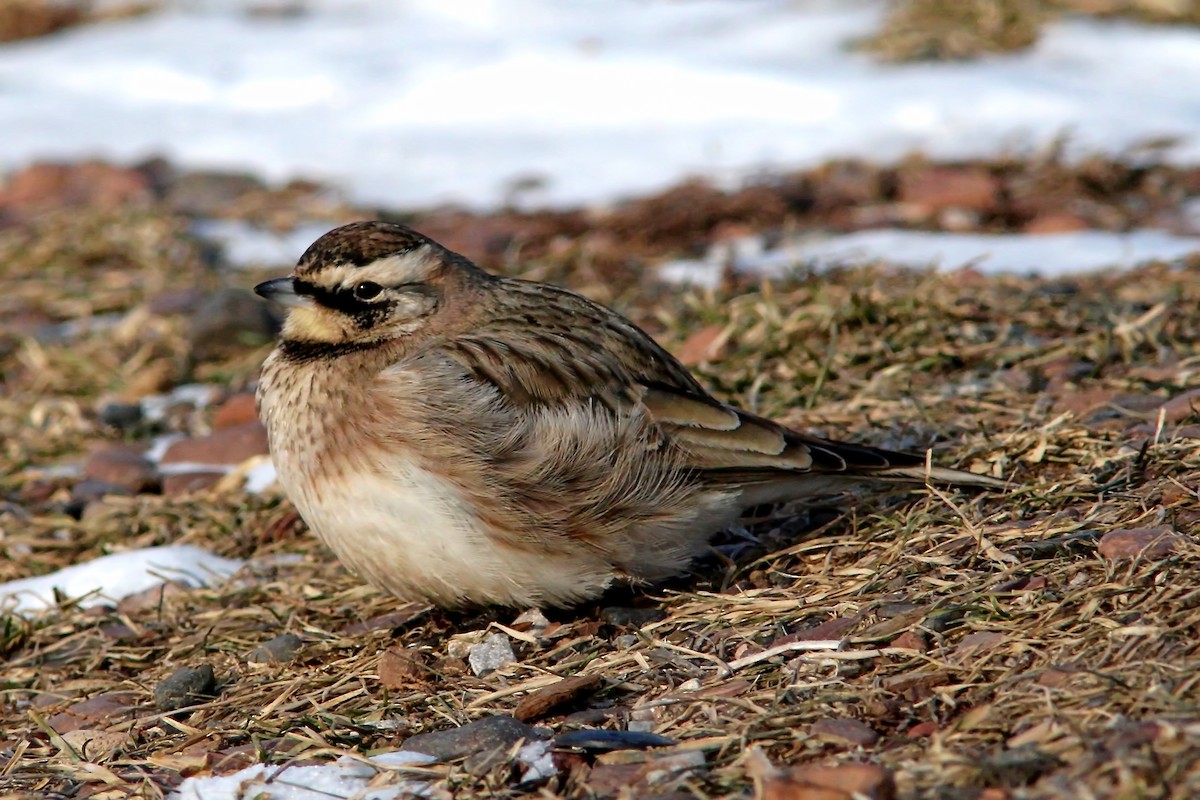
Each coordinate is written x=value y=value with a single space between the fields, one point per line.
x=468 y=439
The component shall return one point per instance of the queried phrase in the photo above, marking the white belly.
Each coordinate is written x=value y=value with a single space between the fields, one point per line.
x=411 y=532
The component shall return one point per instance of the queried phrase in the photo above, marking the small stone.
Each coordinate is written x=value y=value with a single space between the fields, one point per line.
x=1055 y=222
x=46 y=185
x=229 y=322
x=229 y=446
x=97 y=711
x=485 y=735
x=705 y=344
x=848 y=731
x=934 y=189
x=631 y=617
x=123 y=466
x=281 y=649
x=915 y=685
x=598 y=740
x=978 y=642
x=180 y=483
x=912 y=640
x=184 y=687
x=402 y=667
x=121 y=416
x=179 y=301
x=153 y=598
x=89 y=491
x=539 y=703
x=1139 y=543
x=209 y=194
x=494 y=652
x=1180 y=407
x=237 y=410
x=921 y=730
x=820 y=782
x=1055 y=678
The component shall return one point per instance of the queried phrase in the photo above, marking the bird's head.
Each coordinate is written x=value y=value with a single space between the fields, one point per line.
x=366 y=283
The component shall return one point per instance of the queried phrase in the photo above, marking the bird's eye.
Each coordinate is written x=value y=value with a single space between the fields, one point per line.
x=367 y=290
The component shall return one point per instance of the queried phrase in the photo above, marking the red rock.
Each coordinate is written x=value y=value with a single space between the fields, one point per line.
x=705 y=344
x=153 y=598
x=838 y=782
x=848 y=731
x=228 y=446
x=237 y=410
x=1056 y=222
x=97 y=711
x=911 y=640
x=978 y=642
x=994 y=793
x=46 y=185
x=123 y=466
x=179 y=483
x=829 y=629
x=1055 y=678
x=1139 y=543
x=922 y=729
x=934 y=189
x=1180 y=407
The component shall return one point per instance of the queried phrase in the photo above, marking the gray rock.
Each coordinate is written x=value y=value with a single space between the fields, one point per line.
x=281 y=649
x=491 y=654
x=121 y=416
x=483 y=736
x=598 y=740
x=623 y=617
x=184 y=687
x=228 y=322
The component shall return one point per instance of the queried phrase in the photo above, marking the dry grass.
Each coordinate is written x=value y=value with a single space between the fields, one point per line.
x=942 y=30
x=982 y=636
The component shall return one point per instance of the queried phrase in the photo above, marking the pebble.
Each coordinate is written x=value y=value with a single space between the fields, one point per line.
x=1138 y=543
x=98 y=711
x=180 y=483
x=598 y=740
x=125 y=467
x=631 y=617
x=121 y=416
x=844 y=731
x=89 y=491
x=239 y=409
x=978 y=643
x=279 y=650
x=229 y=322
x=485 y=735
x=184 y=687
x=228 y=446
x=494 y=652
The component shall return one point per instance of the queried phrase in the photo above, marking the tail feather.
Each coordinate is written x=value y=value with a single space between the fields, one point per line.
x=931 y=474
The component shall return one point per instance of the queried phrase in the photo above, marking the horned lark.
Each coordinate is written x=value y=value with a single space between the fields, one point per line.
x=466 y=438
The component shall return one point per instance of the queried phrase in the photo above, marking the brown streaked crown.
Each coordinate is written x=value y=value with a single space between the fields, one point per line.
x=360 y=244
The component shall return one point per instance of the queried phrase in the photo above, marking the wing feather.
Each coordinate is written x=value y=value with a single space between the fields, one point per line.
x=618 y=366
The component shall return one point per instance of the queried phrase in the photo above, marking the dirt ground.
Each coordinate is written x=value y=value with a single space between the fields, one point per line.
x=1041 y=642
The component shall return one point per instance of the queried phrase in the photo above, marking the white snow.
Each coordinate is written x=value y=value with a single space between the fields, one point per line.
x=345 y=778
x=1045 y=254
x=109 y=578
x=479 y=101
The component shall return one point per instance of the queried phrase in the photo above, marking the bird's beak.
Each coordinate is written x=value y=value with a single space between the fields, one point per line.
x=282 y=291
